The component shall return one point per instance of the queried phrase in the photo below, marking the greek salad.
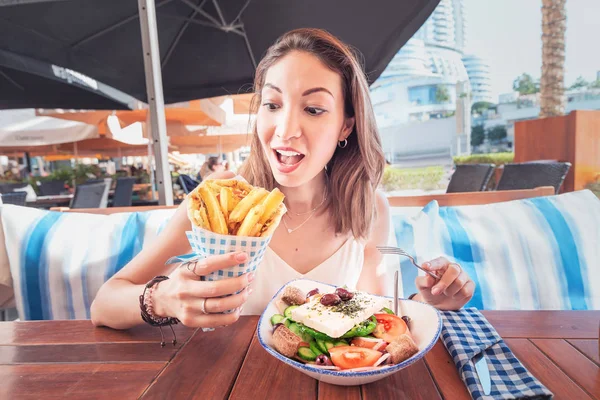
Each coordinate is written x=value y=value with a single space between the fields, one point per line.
x=341 y=330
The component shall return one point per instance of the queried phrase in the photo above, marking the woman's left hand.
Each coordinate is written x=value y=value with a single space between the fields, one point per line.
x=451 y=292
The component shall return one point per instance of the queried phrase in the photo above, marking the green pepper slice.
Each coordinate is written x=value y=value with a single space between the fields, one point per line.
x=362 y=329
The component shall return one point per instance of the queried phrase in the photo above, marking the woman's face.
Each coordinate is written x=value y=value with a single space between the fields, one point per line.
x=301 y=117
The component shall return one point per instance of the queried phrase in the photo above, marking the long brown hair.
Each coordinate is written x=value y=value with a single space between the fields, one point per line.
x=354 y=169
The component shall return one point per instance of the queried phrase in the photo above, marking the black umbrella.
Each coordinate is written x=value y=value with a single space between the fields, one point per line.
x=204 y=48
x=26 y=83
x=207 y=48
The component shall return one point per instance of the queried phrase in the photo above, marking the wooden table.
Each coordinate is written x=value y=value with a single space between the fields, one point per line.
x=59 y=200
x=72 y=359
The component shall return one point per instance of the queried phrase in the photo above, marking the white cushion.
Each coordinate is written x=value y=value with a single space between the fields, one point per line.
x=58 y=261
x=540 y=253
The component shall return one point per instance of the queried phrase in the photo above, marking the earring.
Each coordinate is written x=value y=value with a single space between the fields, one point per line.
x=343 y=143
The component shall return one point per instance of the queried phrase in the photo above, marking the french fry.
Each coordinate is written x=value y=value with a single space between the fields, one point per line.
x=224 y=197
x=252 y=199
x=271 y=203
x=255 y=232
x=250 y=220
x=215 y=215
x=274 y=222
x=204 y=217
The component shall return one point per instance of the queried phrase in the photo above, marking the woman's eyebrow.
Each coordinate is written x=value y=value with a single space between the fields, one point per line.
x=269 y=85
x=306 y=92
x=315 y=90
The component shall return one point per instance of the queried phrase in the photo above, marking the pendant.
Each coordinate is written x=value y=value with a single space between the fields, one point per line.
x=290 y=230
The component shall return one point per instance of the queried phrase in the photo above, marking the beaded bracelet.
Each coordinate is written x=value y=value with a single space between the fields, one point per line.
x=147 y=309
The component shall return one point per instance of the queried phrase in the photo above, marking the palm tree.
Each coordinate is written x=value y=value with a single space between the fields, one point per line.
x=554 y=26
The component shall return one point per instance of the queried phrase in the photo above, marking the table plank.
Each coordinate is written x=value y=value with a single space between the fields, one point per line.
x=85 y=353
x=576 y=365
x=82 y=331
x=76 y=381
x=413 y=382
x=208 y=364
x=264 y=377
x=545 y=370
x=588 y=347
x=328 y=392
x=545 y=324
x=445 y=374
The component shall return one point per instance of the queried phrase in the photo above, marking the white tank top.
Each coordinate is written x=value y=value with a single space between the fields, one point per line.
x=342 y=268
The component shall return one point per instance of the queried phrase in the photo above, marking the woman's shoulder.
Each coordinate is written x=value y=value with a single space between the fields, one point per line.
x=382 y=205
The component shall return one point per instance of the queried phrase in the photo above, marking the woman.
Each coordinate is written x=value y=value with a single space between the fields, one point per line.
x=213 y=164
x=316 y=139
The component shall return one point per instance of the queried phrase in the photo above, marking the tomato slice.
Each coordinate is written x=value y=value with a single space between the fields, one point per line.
x=347 y=357
x=389 y=327
x=367 y=343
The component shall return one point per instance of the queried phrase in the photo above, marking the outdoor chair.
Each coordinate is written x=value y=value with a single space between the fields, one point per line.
x=123 y=195
x=93 y=181
x=51 y=188
x=16 y=198
x=470 y=178
x=530 y=175
x=187 y=184
x=10 y=187
x=90 y=196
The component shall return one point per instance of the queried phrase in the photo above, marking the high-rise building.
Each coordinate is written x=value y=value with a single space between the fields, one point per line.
x=479 y=77
x=420 y=81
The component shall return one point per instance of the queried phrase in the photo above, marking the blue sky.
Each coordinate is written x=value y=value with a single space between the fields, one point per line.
x=508 y=34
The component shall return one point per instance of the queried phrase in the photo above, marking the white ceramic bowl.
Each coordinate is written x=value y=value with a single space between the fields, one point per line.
x=425 y=327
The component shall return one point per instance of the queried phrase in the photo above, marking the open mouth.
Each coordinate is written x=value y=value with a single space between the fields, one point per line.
x=288 y=157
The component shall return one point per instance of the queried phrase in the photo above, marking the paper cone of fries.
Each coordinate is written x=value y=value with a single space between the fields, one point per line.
x=230 y=215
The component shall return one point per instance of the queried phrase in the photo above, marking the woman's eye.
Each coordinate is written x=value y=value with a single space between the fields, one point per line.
x=314 y=110
x=271 y=106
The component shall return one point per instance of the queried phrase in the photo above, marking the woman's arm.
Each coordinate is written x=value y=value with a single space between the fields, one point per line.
x=117 y=303
x=371 y=280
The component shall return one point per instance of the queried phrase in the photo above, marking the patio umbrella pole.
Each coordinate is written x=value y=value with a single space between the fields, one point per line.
x=150 y=174
x=158 y=126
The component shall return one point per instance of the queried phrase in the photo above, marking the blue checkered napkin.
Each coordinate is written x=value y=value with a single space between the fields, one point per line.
x=466 y=333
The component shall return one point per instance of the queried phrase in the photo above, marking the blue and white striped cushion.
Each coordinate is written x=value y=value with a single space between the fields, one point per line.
x=541 y=253
x=58 y=261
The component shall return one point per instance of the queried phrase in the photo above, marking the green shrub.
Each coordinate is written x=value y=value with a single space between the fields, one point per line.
x=595 y=186
x=428 y=178
x=492 y=158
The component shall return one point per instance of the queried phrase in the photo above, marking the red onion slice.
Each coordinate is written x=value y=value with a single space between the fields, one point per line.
x=381 y=359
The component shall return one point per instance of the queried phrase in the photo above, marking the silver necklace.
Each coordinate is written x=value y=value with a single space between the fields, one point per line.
x=312 y=212
x=290 y=230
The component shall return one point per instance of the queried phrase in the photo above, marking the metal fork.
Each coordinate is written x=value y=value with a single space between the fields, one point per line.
x=400 y=252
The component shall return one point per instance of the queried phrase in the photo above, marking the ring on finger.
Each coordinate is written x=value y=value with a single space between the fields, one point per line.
x=193 y=269
x=203 y=306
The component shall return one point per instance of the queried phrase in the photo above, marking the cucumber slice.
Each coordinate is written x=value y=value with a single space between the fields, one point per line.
x=315 y=348
x=287 y=323
x=329 y=345
x=340 y=343
x=277 y=319
x=306 y=337
x=288 y=311
x=306 y=353
x=295 y=328
x=322 y=346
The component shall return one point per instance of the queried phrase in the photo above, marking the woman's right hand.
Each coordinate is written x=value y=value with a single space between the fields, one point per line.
x=182 y=295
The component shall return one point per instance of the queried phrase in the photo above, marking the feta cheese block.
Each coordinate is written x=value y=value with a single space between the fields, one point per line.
x=336 y=320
